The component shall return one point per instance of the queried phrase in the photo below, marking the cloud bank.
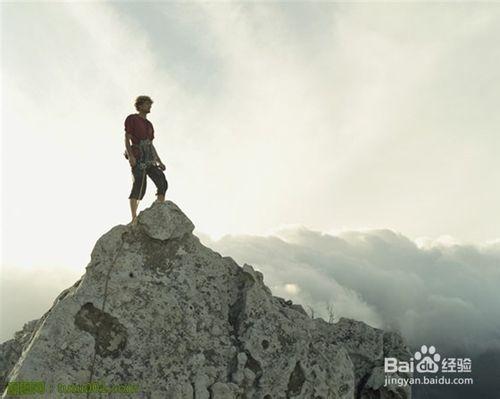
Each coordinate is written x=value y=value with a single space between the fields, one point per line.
x=435 y=292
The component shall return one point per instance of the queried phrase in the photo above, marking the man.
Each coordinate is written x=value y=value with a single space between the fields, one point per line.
x=142 y=155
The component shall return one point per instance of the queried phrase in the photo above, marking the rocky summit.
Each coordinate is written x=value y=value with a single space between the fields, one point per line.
x=159 y=315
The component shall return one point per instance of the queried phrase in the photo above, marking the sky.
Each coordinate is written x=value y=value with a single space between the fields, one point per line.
x=330 y=144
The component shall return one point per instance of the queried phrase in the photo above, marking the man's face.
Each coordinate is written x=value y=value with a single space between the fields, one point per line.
x=145 y=107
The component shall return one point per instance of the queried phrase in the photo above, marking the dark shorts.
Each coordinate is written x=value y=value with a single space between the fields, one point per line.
x=140 y=180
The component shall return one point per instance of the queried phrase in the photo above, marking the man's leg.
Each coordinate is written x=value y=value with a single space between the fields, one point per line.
x=160 y=198
x=134 y=203
x=158 y=177
x=138 y=190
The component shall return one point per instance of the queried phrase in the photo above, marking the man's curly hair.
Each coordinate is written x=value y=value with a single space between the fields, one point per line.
x=142 y=99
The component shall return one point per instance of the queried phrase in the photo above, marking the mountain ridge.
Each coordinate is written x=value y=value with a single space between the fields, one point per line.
x=158 y=309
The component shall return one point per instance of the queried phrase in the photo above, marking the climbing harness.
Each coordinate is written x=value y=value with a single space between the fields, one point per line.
x=147 y=152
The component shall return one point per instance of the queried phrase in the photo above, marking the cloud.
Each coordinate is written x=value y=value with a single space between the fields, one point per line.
x=440 y=292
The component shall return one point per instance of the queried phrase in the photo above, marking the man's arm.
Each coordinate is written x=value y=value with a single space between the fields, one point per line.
x=157 y=158
x=128 y=139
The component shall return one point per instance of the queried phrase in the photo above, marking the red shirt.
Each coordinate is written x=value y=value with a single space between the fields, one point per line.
x=140 y=129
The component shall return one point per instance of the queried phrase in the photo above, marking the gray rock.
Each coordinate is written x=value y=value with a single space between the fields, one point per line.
x=11 y=350
x=158 y=309
x=165 y=221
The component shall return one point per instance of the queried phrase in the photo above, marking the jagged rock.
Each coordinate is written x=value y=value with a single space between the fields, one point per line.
x=158 y=309
x=11 y=350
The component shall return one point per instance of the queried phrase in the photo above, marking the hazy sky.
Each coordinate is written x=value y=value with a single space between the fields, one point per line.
x=331 y=116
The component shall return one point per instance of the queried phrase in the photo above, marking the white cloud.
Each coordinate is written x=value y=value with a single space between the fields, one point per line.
x=442 y=293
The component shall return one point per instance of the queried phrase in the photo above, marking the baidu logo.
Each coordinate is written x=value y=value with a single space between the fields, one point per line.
x=428 y=359
x=425 y=360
